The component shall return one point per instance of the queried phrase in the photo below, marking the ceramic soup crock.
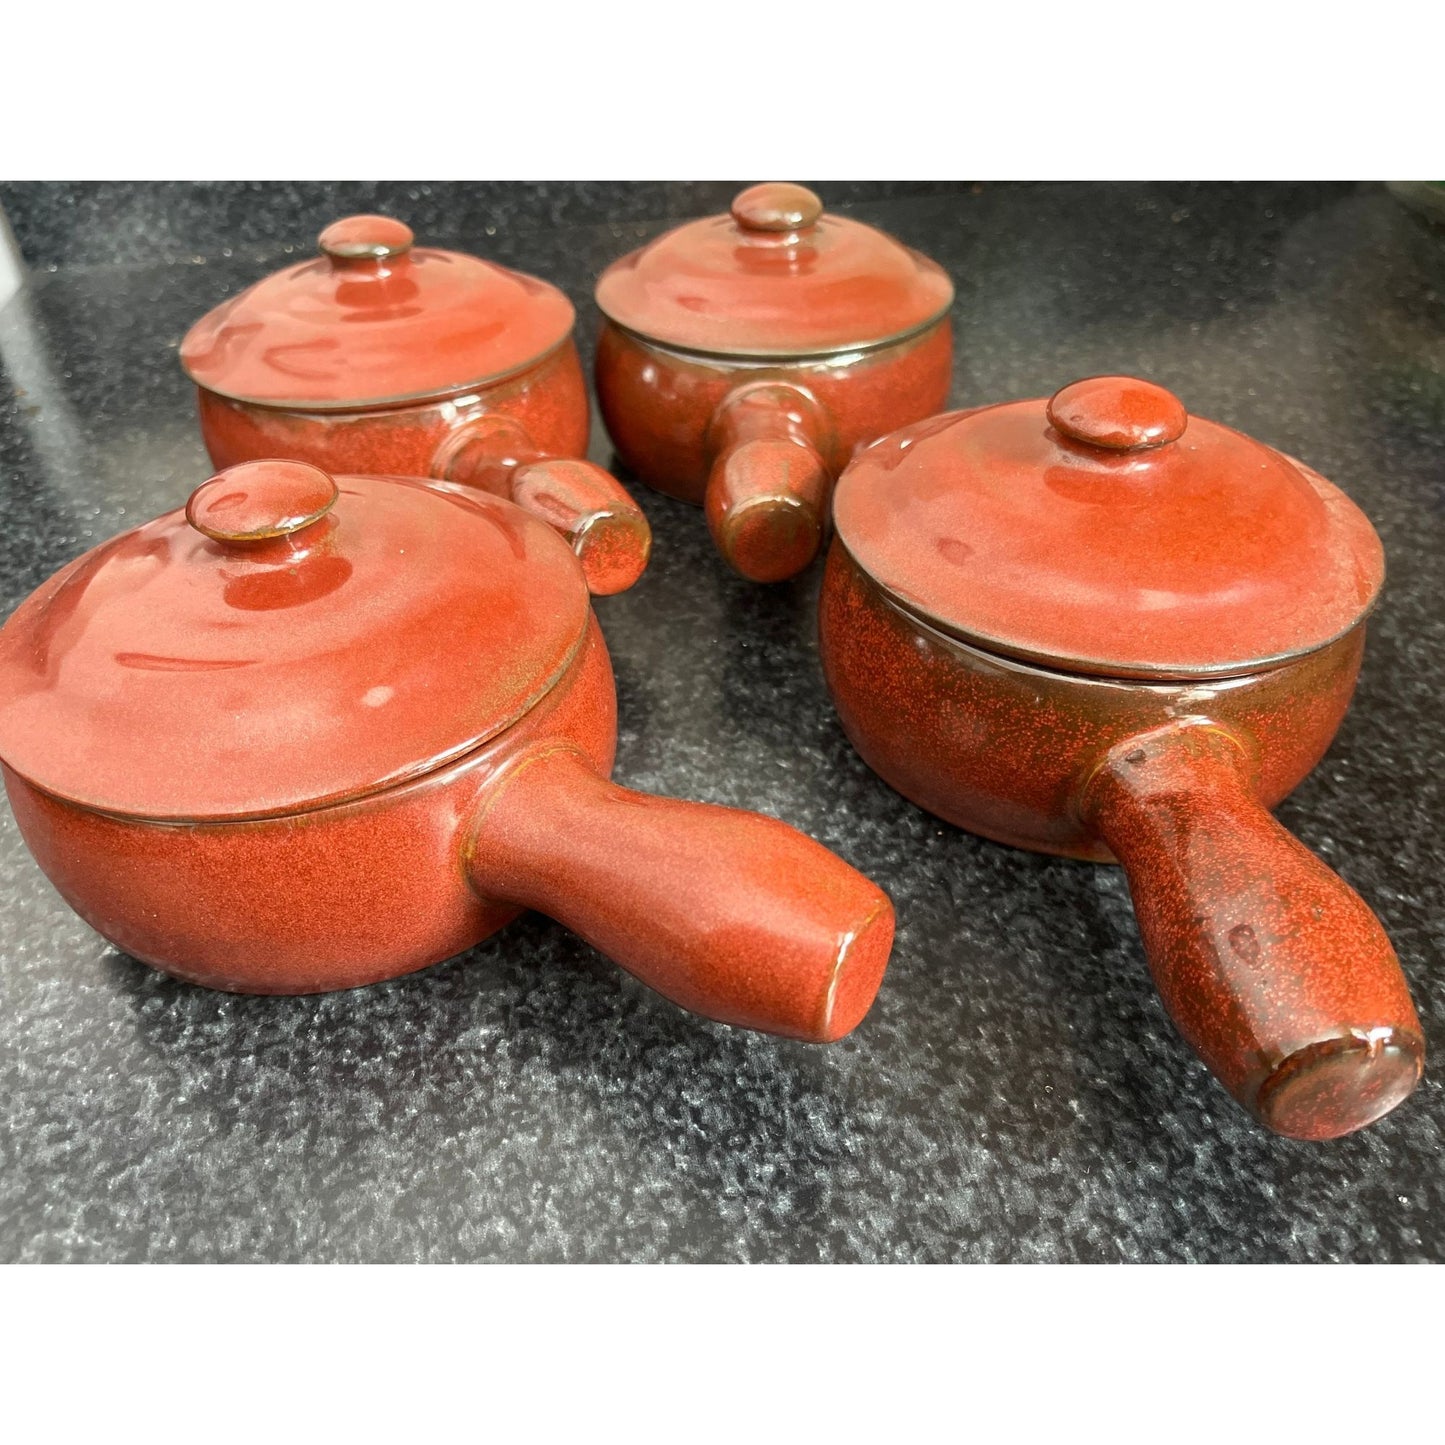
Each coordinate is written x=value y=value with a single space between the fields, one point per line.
x=385 y=358
x=746 y=357
x=310 y=733
x=1096 y=626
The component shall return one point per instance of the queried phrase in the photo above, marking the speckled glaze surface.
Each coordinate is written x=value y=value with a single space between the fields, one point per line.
x=843 y=331
x=1017 y=1092
x=548 y=402
x=186 y=670
x=777 y=276
x=1105 y=531
x=730 y=914
x=374 y=321
x=1274 y=969
x=504 y=346
x=1004 y=748
x=275 y=788
x=666 y=415
x=321 y=900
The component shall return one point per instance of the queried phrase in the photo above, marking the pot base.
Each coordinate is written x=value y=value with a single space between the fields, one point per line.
x=333 y=981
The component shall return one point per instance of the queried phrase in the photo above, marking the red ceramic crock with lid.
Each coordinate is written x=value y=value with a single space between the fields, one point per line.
x=313 y=732
x=1095 y=625
x=387 y=358
x=745 y=357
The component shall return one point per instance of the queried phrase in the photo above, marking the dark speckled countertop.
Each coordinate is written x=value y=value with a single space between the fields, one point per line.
x=1017 y=1092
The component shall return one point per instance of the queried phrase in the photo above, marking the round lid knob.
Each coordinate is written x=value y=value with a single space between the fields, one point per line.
x=366 y=238
x=258 y=501
x=1119 y=413
x=776 y=206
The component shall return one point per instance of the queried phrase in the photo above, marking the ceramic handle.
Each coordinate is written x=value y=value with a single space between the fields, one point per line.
x=1272 y=967
x=733 y=915
x=588 y=506
x=769 y=488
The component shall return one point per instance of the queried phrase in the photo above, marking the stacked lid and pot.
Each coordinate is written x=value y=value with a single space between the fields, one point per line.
x=374 y=321
x=776 y=278
x=1107 y=532
x=286 y=641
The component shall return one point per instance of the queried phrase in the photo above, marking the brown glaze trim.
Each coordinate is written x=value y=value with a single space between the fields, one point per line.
x=659 y=407
x=606 y=530
x=422 y=771
x=769 y=486
x=459 y=392
x=834 y=355
x=1002 y=747
x=1042 y=668
x=1096 y=671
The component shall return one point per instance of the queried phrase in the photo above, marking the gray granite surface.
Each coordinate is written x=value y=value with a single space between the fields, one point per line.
x=1017 y=1092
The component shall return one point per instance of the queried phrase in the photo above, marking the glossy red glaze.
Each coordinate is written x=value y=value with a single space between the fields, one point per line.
x=669 y=417
x=491 y=345
x=1273 y=968
x=168 y=675
x=327 y=899
x=463 y=600
x=776 y=324
x=1208 y=554
x=806 y=965
x=769 y=489
x=778 y=277
x=1004 y=748
x=1120 y=413
x=541 y=414
x=776 y=206
x=374 y=321
x=548 y=404
x=366 y=238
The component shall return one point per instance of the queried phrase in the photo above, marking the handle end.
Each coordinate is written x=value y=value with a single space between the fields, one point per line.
x=1271 y=965
x=862 y=959
x=1341 y=1084
x=733 y=915
x=613 y=547
x=607 y=530
x=765 y=508
x=769 y=539
x=603 y=525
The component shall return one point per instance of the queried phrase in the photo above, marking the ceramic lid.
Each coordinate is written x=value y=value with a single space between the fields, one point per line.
x=779 y=276
x=374 y=320
x=285 y=641
x=1106 y=531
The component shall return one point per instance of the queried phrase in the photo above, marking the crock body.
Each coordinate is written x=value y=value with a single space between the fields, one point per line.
x=322 y=733
x=1006 y=750
x=1274 y=970
x=548 y=401
x=660 y=405
x=328 y=899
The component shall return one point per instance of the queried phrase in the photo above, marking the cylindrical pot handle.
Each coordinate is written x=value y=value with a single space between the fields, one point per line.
x=1273 y=968
x=733 y=915
x=588 y=506
x=769 y=489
